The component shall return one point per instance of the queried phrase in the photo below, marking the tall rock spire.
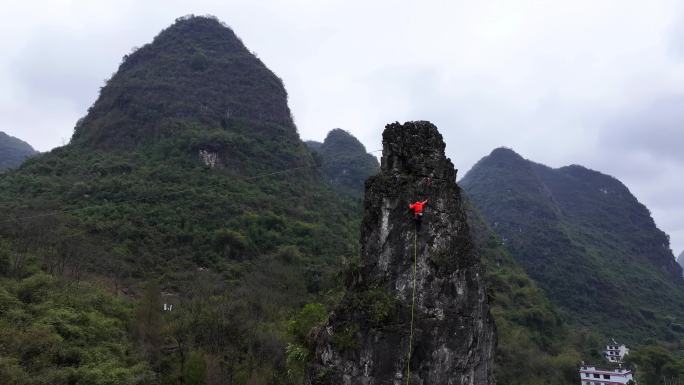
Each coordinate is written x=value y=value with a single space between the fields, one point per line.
x=368 y=337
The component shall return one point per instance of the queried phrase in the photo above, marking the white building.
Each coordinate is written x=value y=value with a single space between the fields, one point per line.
x=591 y=375
x=615 y=352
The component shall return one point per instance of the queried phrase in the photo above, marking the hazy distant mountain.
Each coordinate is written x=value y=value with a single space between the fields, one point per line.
x=13 y=151
x=680 y=260
x=314 y=145
x=586 y=240
x=345 y=162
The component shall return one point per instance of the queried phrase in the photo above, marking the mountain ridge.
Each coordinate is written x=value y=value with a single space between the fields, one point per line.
x=584 y=226
x=13 y=151
x=345 y=162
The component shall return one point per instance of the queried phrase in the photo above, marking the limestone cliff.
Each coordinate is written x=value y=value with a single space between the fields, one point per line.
x=366 y=340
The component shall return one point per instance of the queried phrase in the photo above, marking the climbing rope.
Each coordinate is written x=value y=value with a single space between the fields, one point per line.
x=413 y=305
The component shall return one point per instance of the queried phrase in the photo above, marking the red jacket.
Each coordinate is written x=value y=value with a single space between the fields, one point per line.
x=417 y=207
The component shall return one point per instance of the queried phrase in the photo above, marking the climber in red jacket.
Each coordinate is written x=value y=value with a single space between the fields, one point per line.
x=417 y=208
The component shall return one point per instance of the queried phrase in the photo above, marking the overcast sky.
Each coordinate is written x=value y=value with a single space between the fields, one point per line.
x=596 y=83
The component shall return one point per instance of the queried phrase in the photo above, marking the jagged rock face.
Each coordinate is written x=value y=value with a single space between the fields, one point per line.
x=366 y=340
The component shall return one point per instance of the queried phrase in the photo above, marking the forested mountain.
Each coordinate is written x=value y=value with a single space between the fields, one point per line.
x=345 y=162
x=535 y=345
x=584 y=238
x=186 y=183
x=13 y=151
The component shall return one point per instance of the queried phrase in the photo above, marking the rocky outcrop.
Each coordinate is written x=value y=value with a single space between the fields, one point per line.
x=367 y=338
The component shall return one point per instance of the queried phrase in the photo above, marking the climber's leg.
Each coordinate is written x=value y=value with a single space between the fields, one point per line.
x=418 y=219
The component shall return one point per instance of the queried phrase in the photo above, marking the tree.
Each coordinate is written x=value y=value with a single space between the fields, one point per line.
x=147 y=323
x=195 y=371
x=4 y=257
x=653 y=363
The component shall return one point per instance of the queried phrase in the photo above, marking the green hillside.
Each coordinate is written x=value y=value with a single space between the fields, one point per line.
x=13 y=151
x=584 y=239
x=186 y=183
x=535 y=346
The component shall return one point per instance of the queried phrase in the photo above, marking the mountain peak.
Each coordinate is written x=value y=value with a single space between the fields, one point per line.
x=415 y=148
x=581 y=224
x=196 y=75
x=505 y=153
x=345 y=162
x=340 y=137
x=204 y=20
x=13 y=151
x=206 y=32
